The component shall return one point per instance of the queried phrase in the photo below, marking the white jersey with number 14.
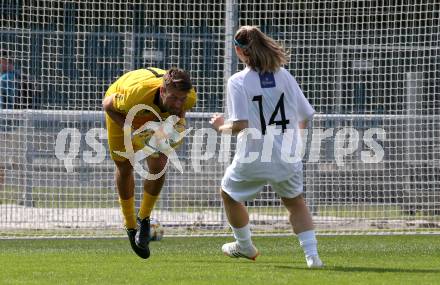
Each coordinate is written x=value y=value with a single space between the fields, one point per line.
x=273 y=104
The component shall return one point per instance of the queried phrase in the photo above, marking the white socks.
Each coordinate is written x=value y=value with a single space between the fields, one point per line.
x=243 y=236
x=307 y=239
x=308 y=242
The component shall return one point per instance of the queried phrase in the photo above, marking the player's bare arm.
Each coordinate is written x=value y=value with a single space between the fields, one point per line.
x=218 y=123
x=303 y=124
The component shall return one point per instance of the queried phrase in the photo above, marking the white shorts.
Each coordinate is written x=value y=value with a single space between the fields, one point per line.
x=247 y=190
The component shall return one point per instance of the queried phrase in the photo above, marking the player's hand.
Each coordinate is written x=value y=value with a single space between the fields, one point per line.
x=141 y=139
x=217 y=121
x=160 y=138
x=168 y=138
x=180 y=128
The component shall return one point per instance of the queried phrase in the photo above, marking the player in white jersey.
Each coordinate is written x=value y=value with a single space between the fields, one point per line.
x=266 y=108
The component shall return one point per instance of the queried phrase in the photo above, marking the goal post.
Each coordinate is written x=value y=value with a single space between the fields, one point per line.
x=58 y=178
x=372 y=153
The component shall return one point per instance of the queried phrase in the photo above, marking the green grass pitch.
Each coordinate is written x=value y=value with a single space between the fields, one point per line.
x=349 y=260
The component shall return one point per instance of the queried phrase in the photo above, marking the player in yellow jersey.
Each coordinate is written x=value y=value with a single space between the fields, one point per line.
x=168 y=93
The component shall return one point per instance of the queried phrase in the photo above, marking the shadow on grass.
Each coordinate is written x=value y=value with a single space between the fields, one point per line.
x=363 y=269
x=302 y=266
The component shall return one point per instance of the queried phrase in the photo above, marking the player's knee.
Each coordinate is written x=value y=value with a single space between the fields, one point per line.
x=226 y=197
x=124 y=167
x=156 y=165
x=293 y=203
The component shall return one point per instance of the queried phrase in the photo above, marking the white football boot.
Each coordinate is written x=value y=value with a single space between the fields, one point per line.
x=232 y=249
x=314 y=262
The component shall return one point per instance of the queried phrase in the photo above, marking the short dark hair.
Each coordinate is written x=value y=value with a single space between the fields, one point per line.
x=177 y=79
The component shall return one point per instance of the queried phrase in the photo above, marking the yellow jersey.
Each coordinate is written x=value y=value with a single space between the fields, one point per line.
x=142 y=87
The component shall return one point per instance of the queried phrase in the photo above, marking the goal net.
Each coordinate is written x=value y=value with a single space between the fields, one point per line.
x=372 y=153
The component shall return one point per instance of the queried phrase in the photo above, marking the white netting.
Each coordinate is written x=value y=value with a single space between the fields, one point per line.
x=371 y=71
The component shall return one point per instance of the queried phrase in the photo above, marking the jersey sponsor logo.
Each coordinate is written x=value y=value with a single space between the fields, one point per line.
x=267 y=80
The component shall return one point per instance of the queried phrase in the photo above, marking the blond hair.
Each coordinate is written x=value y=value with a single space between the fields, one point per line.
x=262 y=52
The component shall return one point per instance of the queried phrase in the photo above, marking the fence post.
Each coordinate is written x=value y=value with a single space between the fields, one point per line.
x=29 y=154
x=231 y=25
x=413 y=93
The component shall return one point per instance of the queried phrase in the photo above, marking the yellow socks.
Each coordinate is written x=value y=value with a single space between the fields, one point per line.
x=147 y=205
x=128 y=211
x=127 y=208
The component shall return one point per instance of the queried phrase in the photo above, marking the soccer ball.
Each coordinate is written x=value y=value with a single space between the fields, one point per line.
x=156 y=230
